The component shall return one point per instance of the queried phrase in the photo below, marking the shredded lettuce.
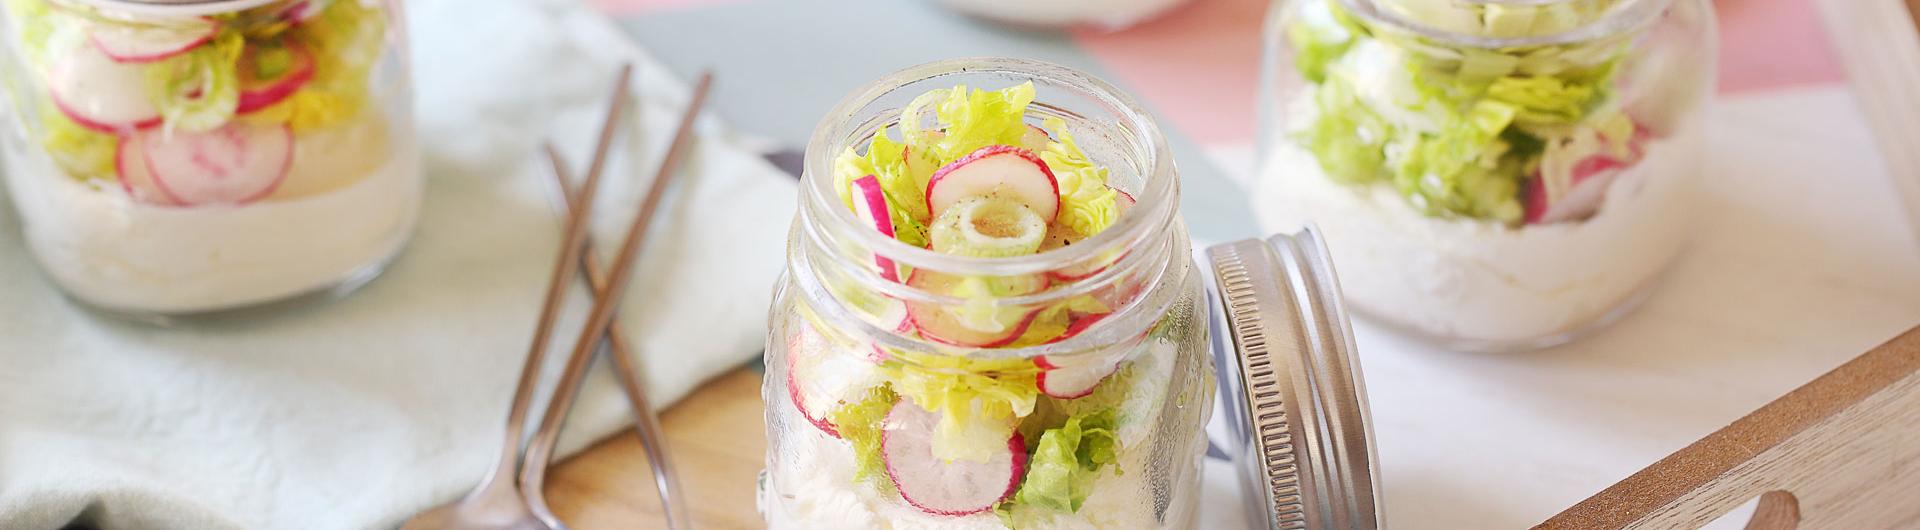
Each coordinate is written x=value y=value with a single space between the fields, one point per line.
x=1454 y=129
x=198 y=90
x=1319 y=36
x=83 y=153
x=1348 y=138
x=862 y=424
x=969 y=120
x=1087 y=204
x=979 y=401
x=1064 y=463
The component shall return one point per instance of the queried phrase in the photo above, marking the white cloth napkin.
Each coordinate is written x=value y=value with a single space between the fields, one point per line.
x=359 y=412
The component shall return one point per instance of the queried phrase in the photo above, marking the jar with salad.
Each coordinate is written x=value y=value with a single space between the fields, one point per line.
x=1492 y=174
x=990 y=317
x=173 y=157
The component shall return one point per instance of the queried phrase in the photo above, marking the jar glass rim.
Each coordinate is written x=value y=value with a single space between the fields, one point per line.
x=1152 y=210
x=173 y=8
x=1621 y=18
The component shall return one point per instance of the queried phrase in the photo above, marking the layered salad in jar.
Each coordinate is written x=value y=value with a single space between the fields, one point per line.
x=1481 y=179
x=937 y=427
x=177 y=163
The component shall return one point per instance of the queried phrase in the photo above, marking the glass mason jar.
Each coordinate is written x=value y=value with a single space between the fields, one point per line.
x=173 y=157
x=875 y=420
x=1491 y=174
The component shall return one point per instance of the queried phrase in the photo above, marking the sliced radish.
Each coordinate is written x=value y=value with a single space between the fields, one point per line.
x=130 y=166
x=298 y=12
x=1036 y=139
x=237 y=163
x=821 y=379
x=939 y=323
x=870 y=207
x=940 y=487
x=1590 y=180
x=261 y=92
x=996 y=171
x=1076 y=378
x=1079 y=324
x=1574 y=175
x=100 y=94
x=148 y=43
x=987 y=227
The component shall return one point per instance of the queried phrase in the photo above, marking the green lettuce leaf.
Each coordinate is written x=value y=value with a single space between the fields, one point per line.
x=968 y=120
x=83 y=153
x=1465 y=170
x=862 y=424
x=1346 y=136
x=1066 y=460
x=1319 y=34
x=1087 y=204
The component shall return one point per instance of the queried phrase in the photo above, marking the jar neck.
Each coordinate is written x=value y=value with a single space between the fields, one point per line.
x=836 y=262
x=1506 y=24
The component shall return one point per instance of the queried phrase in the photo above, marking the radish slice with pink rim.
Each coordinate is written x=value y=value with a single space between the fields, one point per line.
x=299 y=12
x=1036 y=139
x=1076 y=378
x=821 y=377
x=870 y=207
x=257 y=93
x=130 y=168
x=127 y=43
x=936 y=322
x=936 y=486
x=1590 y=177
x=100 y=94
x=235 y=164
x=1000 y=171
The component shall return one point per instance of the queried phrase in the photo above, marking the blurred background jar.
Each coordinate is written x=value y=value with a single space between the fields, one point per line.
x=1490 y=174
x=173 y=157
x=1107 y=14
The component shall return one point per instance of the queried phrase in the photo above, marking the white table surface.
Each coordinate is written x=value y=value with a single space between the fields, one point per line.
x=1801 y=260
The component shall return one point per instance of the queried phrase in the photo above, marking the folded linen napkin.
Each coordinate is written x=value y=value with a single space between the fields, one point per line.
x=356 y=413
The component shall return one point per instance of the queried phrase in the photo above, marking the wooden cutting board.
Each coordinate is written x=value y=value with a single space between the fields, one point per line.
x=718 y=439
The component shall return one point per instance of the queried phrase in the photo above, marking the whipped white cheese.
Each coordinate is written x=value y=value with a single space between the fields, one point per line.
x=814 y=488
x=110 y=251
x=1481 y=283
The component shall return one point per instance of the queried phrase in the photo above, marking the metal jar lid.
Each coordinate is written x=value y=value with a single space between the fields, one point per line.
x=1292 y=385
